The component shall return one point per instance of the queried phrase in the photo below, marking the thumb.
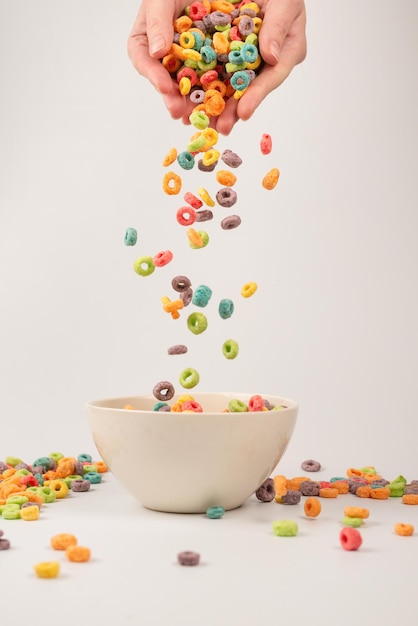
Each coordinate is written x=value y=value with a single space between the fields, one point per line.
x=159 y=24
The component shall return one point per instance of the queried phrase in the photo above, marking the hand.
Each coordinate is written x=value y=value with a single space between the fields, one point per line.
x=282 y=45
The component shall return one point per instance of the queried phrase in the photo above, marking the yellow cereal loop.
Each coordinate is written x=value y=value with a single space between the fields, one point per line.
x=185 y=85
x=29 y=513
x=210 y=157
x=248 y=289
x=47 y=569
x=204 y=195
x=271 y=179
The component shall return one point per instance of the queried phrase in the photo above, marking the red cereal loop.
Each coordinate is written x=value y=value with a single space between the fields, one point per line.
x=350 y=538
x=266 y=143
x=186 y=216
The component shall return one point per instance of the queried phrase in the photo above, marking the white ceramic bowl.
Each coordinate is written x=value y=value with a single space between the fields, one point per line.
x=187 y=462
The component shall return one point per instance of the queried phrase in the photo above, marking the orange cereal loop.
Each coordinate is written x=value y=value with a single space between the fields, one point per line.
x=222 y=5
x=356 y=511
x=404 y=530
x=181 y=24
x=312 y=507
x=170 y=157
x=50 y=475
x=229 y=90
x=294 y=483
x=328 y=492
x=341 y=485
x=65 y=468
x=215 y=104
x=78 y=554
x=219 y=86
x=177 y=51
x=364 y=491
x=381 y=493
x=194 y=237
x=172 y=183
x=370 y=478
x=102 y=468
x=280 y=485
x=9 y=472
x=410 y=498
x=226 y=178
x=271 y=179
x=221 y=43
x=62 y=541
x=352 y=472
x=129 y=407
x=171 y=63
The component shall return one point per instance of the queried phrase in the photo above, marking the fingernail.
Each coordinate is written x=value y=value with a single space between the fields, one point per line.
x=157 y=44
x=275 y=50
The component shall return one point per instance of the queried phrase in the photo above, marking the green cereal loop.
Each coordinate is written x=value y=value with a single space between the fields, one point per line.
x=144 y=265
x=237 y=406
x=207 y=66
x=190 y=63
x=12 y=460
x=69 y=479
x=22 y=472
x=230 y=349
x=93 y=477
x=56 y=456
x=196 y=144
x=252 y=38
x=354 y=522
x=399 y=479
x=11 y=513
x=397 y=489
x=15 y=499
x=236 y=45
x=204 y=237
x=189 y=378
x=199 y=120
x=285 y=528
x=90 y=467
x=197 y=323
x=48 y=495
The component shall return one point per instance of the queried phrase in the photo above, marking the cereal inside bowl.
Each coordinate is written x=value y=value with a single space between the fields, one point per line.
x=188 y=461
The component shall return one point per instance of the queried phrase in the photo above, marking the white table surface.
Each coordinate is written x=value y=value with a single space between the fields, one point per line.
x=247 y=575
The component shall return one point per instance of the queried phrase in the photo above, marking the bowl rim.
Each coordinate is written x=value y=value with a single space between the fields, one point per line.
x=103 y=403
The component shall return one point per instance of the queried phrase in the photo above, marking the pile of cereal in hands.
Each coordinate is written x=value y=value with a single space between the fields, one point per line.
x=214 y=56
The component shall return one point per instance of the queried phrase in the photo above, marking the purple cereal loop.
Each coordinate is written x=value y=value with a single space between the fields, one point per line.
x=180 y=283
x=354 y=486
x=197 y=96
x=226 y=197
x=231 y=158
x=187 y=296
x=26 y=504
x=222 y=58
x=266 y=491
x=177 y=349
x=24 y=466
x=412 y=488
x=79 y=485
x=3 y=467
x=311 y=466
x=4 y=544
x=230 y=222
x=291 y=497
x=200 y=24
x=1 y=532
x=219 y=18
x=207 y=21
x=249 y=12
x=246 y=26
x=267 y=404
x=206 y=168
x=309 y=488
x=188 y=558
x=163 y=390
x=204 y=215
x=164 y=408
x=78 y=468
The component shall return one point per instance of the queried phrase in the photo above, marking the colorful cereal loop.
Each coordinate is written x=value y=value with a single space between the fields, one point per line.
x=144 y=266
x=271 y=179
x=248 y=289
x=171 y=183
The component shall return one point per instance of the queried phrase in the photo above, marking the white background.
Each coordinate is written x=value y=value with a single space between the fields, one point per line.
x=333 y=248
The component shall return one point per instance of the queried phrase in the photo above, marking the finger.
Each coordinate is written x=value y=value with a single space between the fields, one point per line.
x=268 y=80
x=281 y=20
x=228 y=118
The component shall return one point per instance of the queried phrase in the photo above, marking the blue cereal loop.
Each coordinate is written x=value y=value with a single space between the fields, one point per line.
x=93 y=477
x=186 y=160
x=131 y=236
x=240 y=80
x=85 y=458
x=215 y=512
x=249 y=53
x=201 y=296
x=226 y=308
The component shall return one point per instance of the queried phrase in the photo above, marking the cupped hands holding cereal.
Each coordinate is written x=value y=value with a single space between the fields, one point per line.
x=281 y=42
